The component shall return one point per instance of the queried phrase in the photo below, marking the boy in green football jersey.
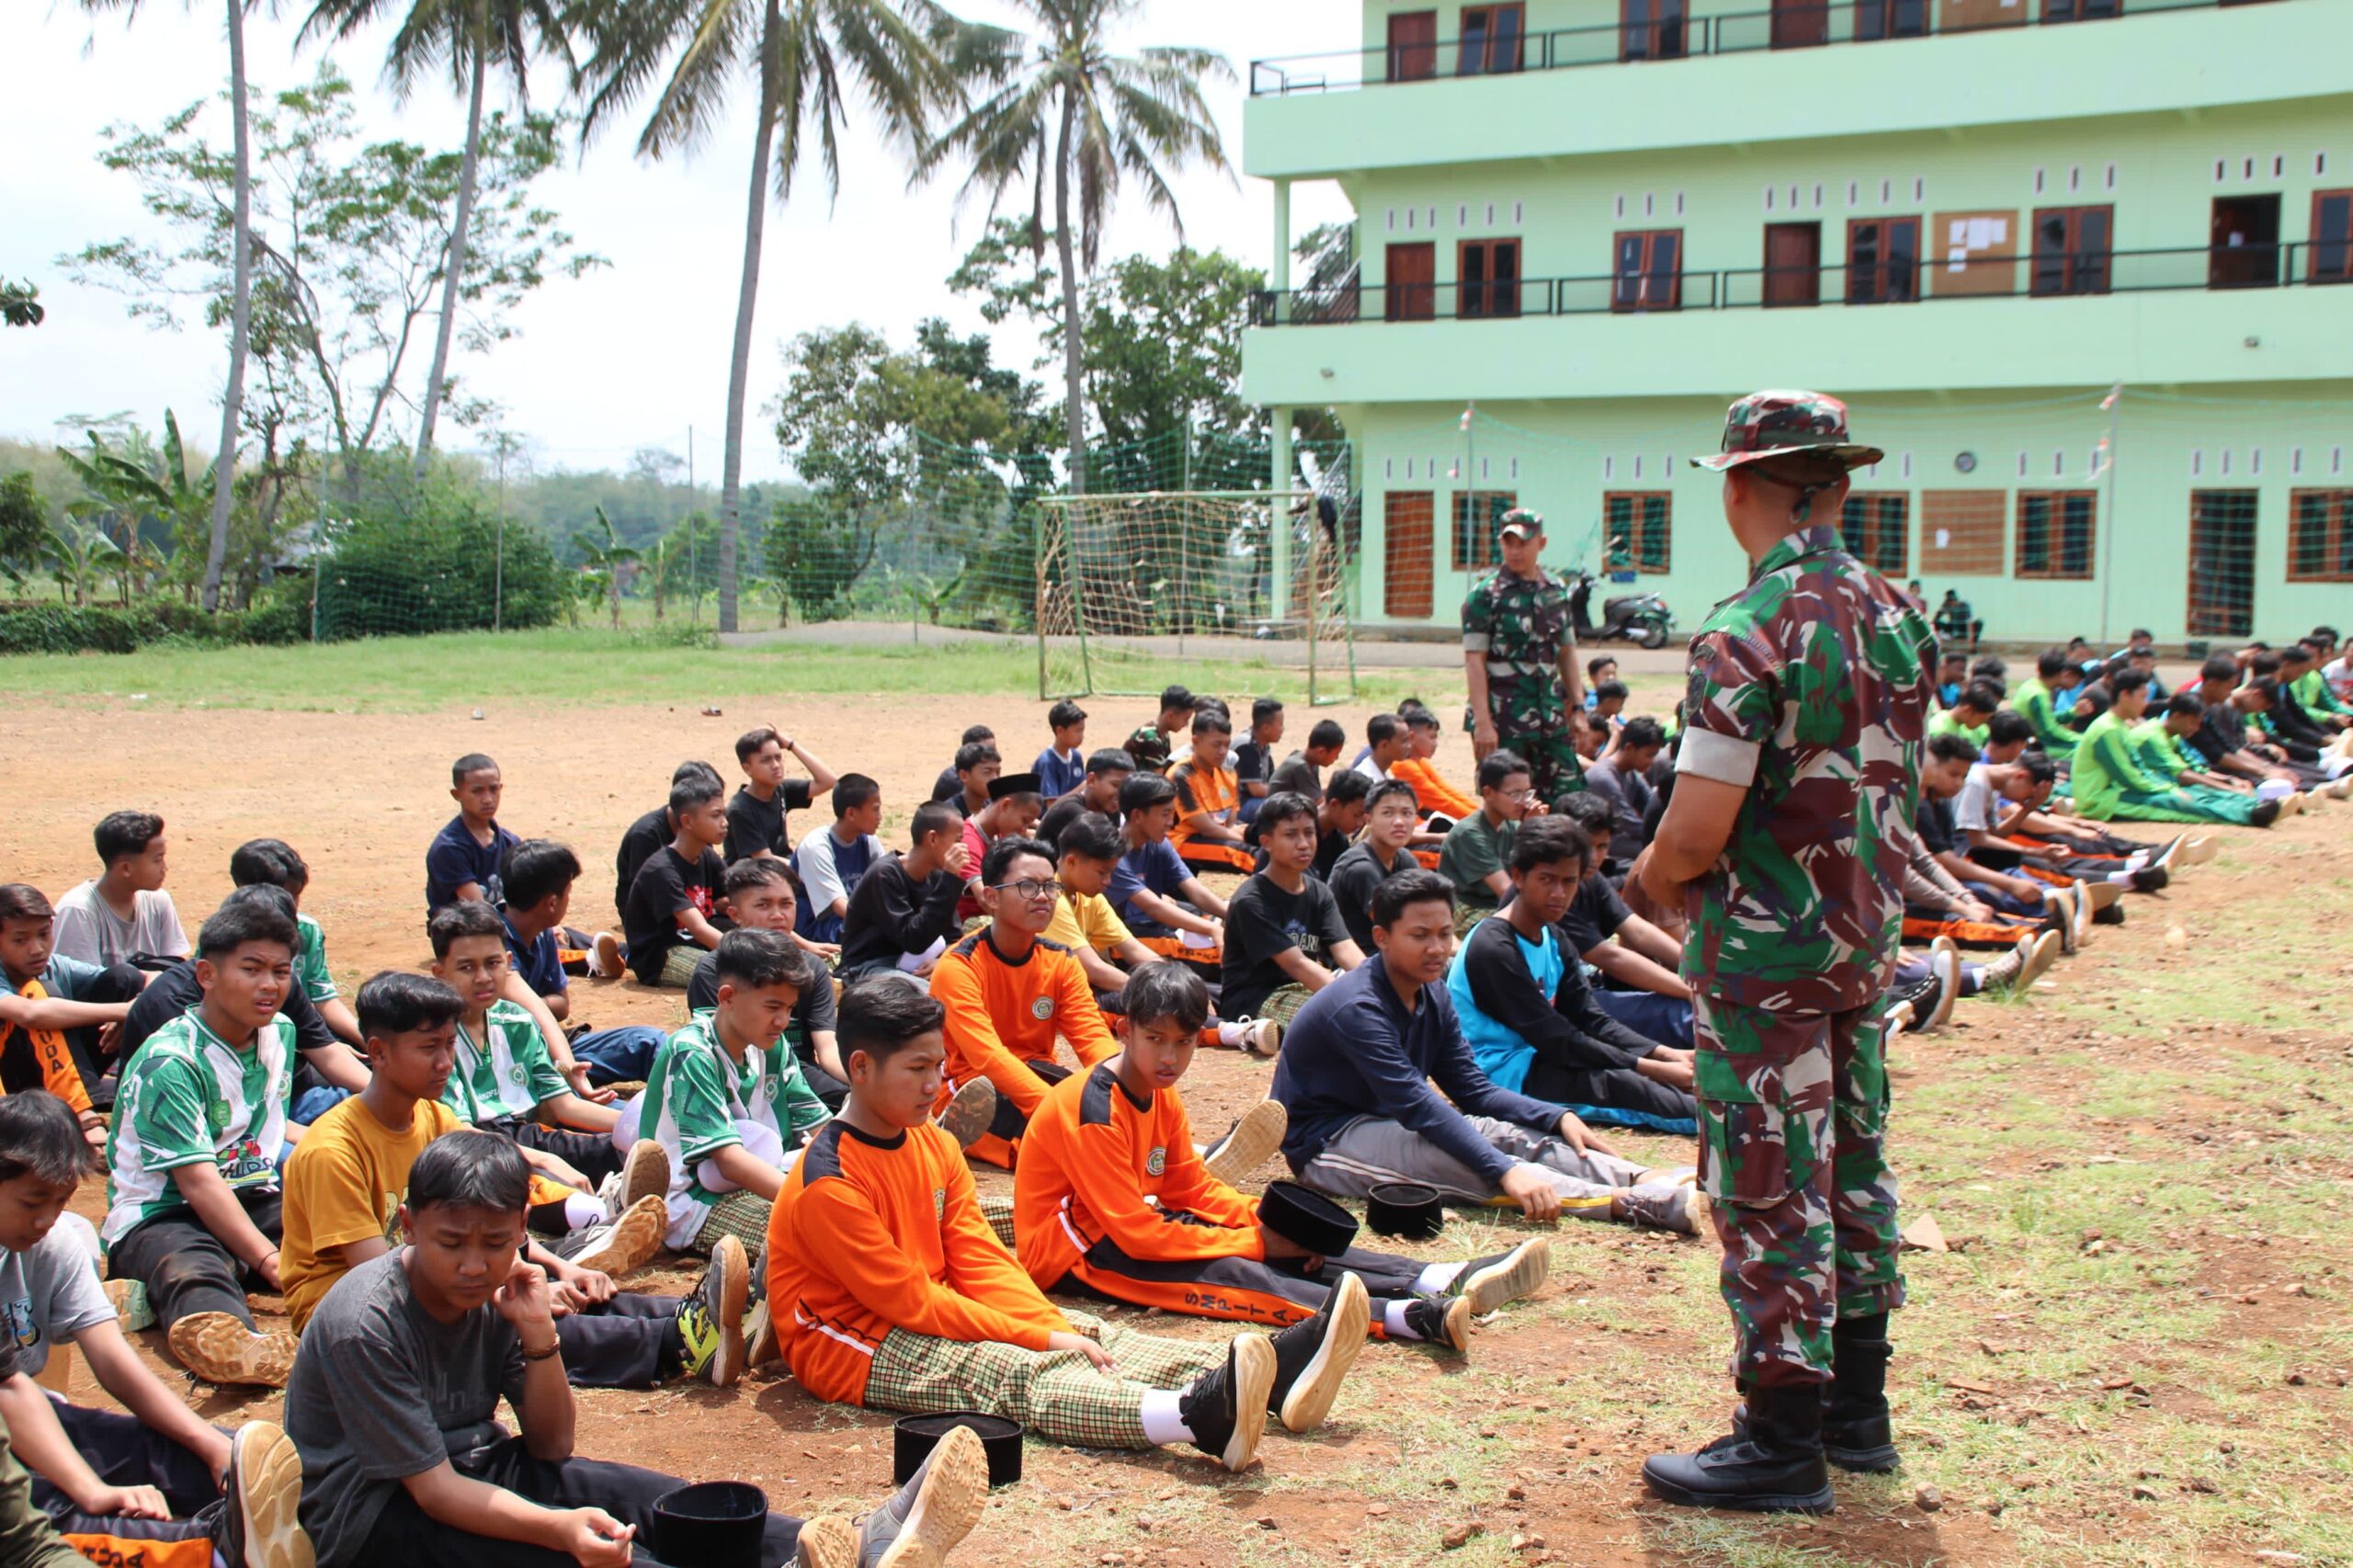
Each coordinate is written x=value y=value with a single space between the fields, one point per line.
x=192 y=1191
x=277 y=863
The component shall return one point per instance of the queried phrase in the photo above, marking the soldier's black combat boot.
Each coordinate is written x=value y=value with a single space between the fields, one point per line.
x=1856 y=1431
x=1775 y=1466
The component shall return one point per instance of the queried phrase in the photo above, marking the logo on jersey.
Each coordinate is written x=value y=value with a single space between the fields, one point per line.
x=1042 y=1008
x=1155 y=1161
x=939 y=1203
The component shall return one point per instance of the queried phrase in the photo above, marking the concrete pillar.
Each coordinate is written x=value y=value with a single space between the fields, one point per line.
x=1279 y=274
x=1279 y=607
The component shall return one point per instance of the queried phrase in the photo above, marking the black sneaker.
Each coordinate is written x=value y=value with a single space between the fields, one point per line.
x=2266 y=813
x=2150 y=879
x=1441 y=1319
x=1488 y=1282
x=1313 y=1357
x=1225 y=1409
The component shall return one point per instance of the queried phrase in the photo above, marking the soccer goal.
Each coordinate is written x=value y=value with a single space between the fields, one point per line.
x=1131 y=584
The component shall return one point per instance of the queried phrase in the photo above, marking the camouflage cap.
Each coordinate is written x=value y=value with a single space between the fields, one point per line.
x=1519 y=522
x=1782 y=423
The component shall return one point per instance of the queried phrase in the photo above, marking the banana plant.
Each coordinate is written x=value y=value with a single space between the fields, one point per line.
x=80 y=557
x=602 y=562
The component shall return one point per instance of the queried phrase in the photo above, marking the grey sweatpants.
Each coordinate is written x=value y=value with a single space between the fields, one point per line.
x=1370 y=1151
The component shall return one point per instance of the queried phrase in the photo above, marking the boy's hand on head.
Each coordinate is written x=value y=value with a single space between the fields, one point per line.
x=597 y=1540
x=1096 y=1354
x=527 y=1300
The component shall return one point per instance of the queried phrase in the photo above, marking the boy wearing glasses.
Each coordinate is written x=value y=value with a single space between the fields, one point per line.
x=1008 y=993
x=1478 y=848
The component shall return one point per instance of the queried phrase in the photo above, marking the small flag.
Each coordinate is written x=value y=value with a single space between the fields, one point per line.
x=1468 y=410
x=2114 y=392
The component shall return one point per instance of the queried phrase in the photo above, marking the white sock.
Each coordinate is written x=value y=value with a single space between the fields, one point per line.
x=1163 y=1427
x=2121 y=877
x=1394 y=1320
x=1436 y=1277
x=580 y=1211
x=1229 y=1034
x=2138 y=861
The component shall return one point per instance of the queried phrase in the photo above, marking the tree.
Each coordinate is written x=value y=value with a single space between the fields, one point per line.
x=24 y=527
x=606 y=558
x=148 y=498
x=1064 y=110
x=470 y=38
x=1164 y=344
x=79 y=556
x=350 y=240
x=21 y=303
x=809 y=58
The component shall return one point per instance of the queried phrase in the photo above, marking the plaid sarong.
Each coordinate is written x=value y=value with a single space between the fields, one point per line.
x=1283 y=1003
x=744 y=1215
x=678 y=965
x=997 y=1209
x=1057 y=1394
x=1466 y=916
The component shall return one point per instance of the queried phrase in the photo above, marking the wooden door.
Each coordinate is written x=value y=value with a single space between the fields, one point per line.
x=1413 y=46
x=1792 y=264
x=1412 y=276
x=2246 y=242
x=1801 y=24
x=1408 y=541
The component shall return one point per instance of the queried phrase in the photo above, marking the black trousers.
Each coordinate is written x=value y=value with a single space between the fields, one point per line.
x=186 y=1269
x=403 y=1537
x=1240 y=1290
x=629 y=1341
x=590 y=1153
x=830 y=1089
x=1618 y=1088
x=1010 y=1121
x=20 y=1063
x=126 y=1452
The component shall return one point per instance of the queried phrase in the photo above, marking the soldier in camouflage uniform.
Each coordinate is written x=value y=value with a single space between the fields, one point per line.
x=1792 y=822
x=1519 y=655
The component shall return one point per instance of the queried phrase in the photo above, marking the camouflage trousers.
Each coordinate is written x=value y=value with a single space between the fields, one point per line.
x=1535 y=726
x=1792 y=1126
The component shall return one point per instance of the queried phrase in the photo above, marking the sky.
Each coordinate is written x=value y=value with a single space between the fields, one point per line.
x=634 y=355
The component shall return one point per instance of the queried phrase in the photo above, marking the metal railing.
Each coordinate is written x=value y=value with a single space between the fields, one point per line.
x=1660 y=29
x=2036 y=274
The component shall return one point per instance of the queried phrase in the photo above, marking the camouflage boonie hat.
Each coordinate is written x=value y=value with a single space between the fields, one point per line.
x=1785 y=424
x=1519 y=520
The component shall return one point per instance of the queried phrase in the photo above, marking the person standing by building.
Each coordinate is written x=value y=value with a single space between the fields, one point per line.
x=1786 y=839
x=1519 y=655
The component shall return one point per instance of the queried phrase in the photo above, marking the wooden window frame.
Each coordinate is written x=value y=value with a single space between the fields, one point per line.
x=1878 y=20
x=2054 y=551
x=1638 y=525
x=2202 y=625
x=1489 y=65
x=2337 y=534
x=1390 y=606
x=2343 y=271
x=2077 y=260
x=1874 y=528
x=1398 y=298
x=1461 y=524
x=1423 y=56
x=1642 y=304
x=1477 y=302
x=1879 y=271
x=1652 y=30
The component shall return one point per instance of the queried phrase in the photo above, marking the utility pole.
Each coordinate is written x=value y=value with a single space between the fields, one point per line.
x=2107 y=503
x=498 y=571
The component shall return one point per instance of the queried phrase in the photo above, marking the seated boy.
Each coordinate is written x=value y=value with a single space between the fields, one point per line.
x=395 y=1397
x=1607 y=705
x=1284 y=937
x=1967 y=717
x=1098 y=791
x=950 y=786
x=1622 y=779
x=1112 y=1199
x=676 y=893
x=1380 y=1086
x=1253 y=759
x=644 y=837
x=977 y=766
x=1386 y=742
x=1301 y=773
x=833 y=862
x=1478 y=848
x=192 y=1193
x=1161 y=900
x=123 y=916
x=2037 y=701
x=1009 y=994
x=505 y=1082
x=1061 y=765
x=53 y=1009
x=1013 y=810
x=2160 y=745
x=760 y=898
x=904 y=910
x=1436 y=795
x=277 y=863
x=1151 y=744
x=1339 y=817
x=346 y=1184
x=891 y=1290
x=1207 y=834
x=1530 y=1018
x=121 y=1488
x=540 y=877
x=726 y=1099
x=757 y=815
x=2107 y=784
x=1392 y=808
x=466 y=857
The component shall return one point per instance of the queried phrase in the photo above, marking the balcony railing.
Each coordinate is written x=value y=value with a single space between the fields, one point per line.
x=1660 y=29
x=2039 y=274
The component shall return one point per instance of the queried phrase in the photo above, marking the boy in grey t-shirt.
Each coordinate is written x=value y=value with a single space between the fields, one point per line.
x=395 y=1393
x=92 y=925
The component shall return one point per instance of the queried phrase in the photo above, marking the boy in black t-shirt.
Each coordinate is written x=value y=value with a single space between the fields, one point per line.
x=1392 y=810
x=1253 y=759
x=949 y=785
x=756 y=817
x=676 y=896
x=646 y=835
x=905 y=904
x=1284 y=936
x=1300 y=773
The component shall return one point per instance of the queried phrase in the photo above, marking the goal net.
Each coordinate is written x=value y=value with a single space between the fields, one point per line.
x=1131 y=584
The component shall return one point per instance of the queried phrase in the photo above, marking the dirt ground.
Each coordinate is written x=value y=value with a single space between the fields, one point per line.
x=1533 y=1447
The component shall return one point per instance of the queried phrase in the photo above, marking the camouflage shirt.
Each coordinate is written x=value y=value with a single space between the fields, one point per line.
x=1809 y=689
x=1520 y=624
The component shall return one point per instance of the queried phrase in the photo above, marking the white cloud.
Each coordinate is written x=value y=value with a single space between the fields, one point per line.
x=631 y=356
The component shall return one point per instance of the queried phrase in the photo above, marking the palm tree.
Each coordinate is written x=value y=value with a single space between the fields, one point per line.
x=471 y=37
x=1066 y=108
x=233 y=395
x=602 y=560
x=810 y=58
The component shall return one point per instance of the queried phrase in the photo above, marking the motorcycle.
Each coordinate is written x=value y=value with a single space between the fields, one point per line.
x=1641 y=619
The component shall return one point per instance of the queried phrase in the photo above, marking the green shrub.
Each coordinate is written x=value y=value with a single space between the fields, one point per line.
x=432 y=563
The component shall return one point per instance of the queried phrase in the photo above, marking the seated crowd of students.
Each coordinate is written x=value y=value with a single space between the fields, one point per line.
x=450 y=1171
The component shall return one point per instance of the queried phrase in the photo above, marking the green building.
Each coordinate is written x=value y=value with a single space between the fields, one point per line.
x=1583 y=226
